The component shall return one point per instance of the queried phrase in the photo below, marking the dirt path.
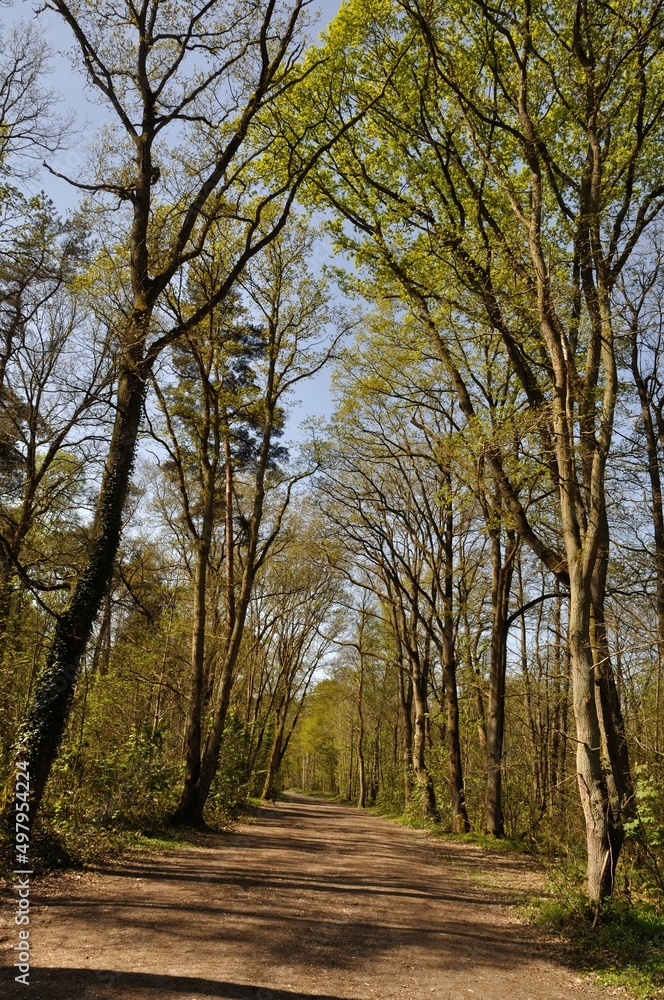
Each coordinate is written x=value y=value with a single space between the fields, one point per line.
x=313 y=900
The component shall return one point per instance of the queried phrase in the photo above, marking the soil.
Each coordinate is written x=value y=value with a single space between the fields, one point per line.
x=311 y=900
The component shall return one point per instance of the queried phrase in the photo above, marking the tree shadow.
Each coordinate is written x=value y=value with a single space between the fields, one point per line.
x=373 y=893
x=108 y=984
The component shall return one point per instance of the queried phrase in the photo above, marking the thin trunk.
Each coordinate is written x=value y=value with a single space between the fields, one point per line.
x=460 y=821
x=539 y=797
x=592 y=785
x=557 y=685
x=612 y=725
x=276 y=755
x=375 y=770
x=101 y=655
x=406 y=706
x=362 y=794
x=657 y=515
x=501 y=579
x=192 y=744
x=237 y=613
x=420 y=684
x=229 y=536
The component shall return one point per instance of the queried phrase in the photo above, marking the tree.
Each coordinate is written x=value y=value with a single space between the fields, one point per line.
x=29 y=127
x=390 y=486
x=302 y=590
x=641 y=294
x=291 y=310
x=208 y=415
x=500 y=192
x=193 y=156
x=51 y=407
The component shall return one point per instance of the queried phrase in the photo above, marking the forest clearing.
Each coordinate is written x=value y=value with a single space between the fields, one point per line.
x=312 y=900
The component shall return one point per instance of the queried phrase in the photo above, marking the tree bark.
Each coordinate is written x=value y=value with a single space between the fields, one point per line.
x=362 y=792
x=406 y=706
x=612 y=724
x=424 y=780
x=501 y=579
x=40 y=736
x=592 y=785
x=460 y=821
x=195 y=705
x=276 y=757
x=657 y=514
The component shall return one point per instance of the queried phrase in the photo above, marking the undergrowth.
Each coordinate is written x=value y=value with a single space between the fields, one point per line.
x=63 y=848
x=625 y=948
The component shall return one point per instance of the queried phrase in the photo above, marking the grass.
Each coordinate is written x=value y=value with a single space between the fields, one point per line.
x=65 y=848
x=415 y=820
x=626 y=948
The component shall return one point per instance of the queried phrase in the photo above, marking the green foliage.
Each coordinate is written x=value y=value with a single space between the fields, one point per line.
x=129 y=786
x=230 y=787
x=643 y=851
x=648 y=824
x=625 y=948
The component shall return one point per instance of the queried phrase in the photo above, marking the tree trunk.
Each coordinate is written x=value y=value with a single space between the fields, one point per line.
x=406 y=706
x=592 y=786
x=274 y=762
x=375 y=770
x=40 y=736
x=362 y=792
x=191 y=813
x=429 y=807
x=460 y=821
x=195 y=706
x=612 y=725
x=501 y=579
x=236 y=613
x=657 y=515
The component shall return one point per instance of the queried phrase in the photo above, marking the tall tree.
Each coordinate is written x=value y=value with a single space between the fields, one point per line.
x=393 y=481
x=292 y=312
x=191 y=97
x=207 y=411
x=500 y=192
x=644 y=319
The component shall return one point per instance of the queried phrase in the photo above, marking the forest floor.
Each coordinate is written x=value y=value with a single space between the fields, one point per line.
x=309 y=900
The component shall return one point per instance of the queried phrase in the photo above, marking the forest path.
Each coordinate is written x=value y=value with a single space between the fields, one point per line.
x=312 y=900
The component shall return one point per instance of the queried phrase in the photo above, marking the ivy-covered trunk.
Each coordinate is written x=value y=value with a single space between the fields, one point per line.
x=39 y=737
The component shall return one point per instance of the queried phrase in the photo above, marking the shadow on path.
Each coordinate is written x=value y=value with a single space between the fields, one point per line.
x=81 y=984
x=315 y=901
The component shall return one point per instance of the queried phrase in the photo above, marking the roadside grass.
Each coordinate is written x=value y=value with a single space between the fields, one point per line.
x=64 y=847
x=625 y=948
x=414 y=819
